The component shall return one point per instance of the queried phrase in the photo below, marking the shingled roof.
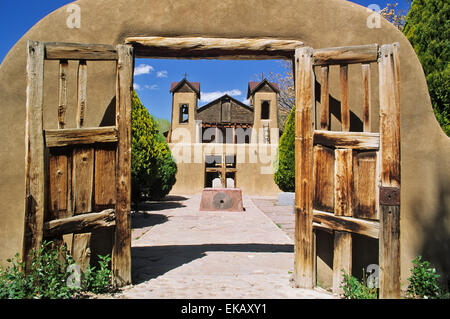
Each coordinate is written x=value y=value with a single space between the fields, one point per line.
x=195 y=86
x=254 y=86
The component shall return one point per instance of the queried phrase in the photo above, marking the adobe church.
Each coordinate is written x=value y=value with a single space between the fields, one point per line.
x=225 y=143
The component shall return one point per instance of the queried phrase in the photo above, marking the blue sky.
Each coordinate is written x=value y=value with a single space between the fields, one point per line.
x=154 y=76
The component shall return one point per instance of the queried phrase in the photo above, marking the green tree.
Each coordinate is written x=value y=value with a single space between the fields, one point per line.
x=427 y=27
x=153 y=169
x=285 y=174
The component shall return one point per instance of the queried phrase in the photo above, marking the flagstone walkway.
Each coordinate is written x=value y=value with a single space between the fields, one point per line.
x=180 y=252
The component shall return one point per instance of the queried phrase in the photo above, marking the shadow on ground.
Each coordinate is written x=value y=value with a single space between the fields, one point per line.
x=151 y=262
x=143 y=219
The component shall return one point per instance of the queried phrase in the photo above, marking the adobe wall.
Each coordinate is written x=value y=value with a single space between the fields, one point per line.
x=425 y=197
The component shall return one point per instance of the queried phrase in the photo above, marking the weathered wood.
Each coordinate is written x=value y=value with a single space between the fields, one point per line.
x=82 y=93
x=389 y=255
x=213 y=48
x=343 y=185
x=367 y=104
x=35 y=196
x=80 y=224
x=62 y=101
x=365 y=185
x=324 y=100
x=105 y=180
x=304 y=79
x=83 y=179
x=323 y=177
x=348 y=140
x=84 y=136
x=342 y=259
x=348 y=224
x=58 y=184
x=345 y=109
x=81 y=250
x=346 y=55
x=73 y=51
x=121 y=263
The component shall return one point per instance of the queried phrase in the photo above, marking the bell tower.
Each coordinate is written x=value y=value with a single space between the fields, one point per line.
x=185 y=96
x=263 y=99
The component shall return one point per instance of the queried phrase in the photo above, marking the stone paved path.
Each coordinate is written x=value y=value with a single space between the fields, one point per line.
x=179 y=252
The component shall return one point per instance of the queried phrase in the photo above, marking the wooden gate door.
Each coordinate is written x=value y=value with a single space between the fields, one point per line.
x=78 y=180
x=348 y=182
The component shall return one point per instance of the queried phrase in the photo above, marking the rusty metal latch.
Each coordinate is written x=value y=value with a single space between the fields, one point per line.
x=390 y=196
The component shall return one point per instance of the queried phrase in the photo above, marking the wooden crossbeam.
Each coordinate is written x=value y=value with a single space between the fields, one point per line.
x=214 y=48
x=346 y=55
x=66 y=137
x=352 y=140
x=348 y=224
x=84 y=223
x=72 y=51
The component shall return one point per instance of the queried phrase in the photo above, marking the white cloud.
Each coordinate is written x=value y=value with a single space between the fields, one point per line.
x=247 y=101
x=151 y=87
x=143 y=69
x=136 y=86
x=211 y=96
x=162 y=74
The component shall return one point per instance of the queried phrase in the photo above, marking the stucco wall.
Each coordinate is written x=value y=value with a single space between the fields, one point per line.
x=425 y=196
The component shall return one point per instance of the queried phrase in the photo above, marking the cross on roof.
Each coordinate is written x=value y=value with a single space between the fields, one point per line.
x=185 y=75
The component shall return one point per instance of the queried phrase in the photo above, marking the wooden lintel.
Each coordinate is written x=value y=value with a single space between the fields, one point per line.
x=214 y=48
x=71 y=51
x=346 y=55
x=348 y=224
x=84 y=223
x=66 y=137
x=353 y=140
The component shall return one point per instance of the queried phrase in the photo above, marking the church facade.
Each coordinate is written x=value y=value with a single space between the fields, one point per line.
x=225 y=143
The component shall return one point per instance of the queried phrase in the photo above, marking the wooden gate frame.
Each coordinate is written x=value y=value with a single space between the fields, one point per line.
x=387 y=230
x=37 y=140
x=388 y=141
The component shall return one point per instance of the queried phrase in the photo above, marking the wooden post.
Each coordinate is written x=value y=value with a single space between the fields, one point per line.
x=62 y=105
x=367 y=105
x=35 y=197
x=324 y=100
x=303 y=260
x=389 y=244
x=345 y=110
x=82 y=93
x=121 y=263
x=342 y=258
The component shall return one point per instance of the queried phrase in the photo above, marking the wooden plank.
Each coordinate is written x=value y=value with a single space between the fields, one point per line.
x=83 y=179
x=214 y=48
x=348 y=140
x=389 y=256
x=324 y=100
x=58 y=184
x=121 y=264
x=35 y=196
x=343 y=185
x=80 y=224
x=81 y=251
x=342 y=259
x=346 y=55
x=73 y=51
x=345 y=109
x=105 y=181
x=303 y=259
x=82 y=93
x=323 y=179
x=348 y=224
x=367 y=104
x=365 y=185
x=67 y=137
x=62 y=101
